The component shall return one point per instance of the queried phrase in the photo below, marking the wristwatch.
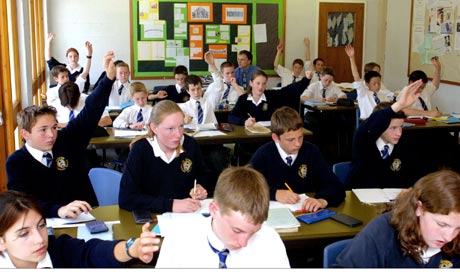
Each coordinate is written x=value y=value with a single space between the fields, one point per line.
x=128 y=245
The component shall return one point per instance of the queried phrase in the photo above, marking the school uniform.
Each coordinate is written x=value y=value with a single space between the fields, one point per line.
x=425 y=97
x=308 y=65
x=67 y=252
x=309 y=173
x=366 y=100
x=190 y=108
x=264 y=249
x=269 y=102
x=129 y=115
x=175 y=94
x=216 y=90
x=151 y=182
x=52 y=94
x=315 y=91
x=378 y=246
x=73 y=73
x=67 y=178
x=243 y=76
x=63 y=112
x=286 y=75
x=120 y=93
x=369 y=169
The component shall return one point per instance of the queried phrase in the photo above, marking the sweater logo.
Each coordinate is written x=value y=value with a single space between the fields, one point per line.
x=445 y=264
x=302 y=171
x=186 y=165
x=396 y=165
x=61 y=163
x=265 y=107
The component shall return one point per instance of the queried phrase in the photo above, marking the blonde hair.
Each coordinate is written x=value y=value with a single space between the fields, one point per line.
x=137 y=87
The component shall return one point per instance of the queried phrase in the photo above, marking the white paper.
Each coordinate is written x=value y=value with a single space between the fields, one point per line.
x=209 y=133
x=84 y=234
x=168 y=221
x=293 y=207
x=69 y=222
x=124 y=133
x=208 y=126
x=260 y=33
x=265 y=123
x=376 y=195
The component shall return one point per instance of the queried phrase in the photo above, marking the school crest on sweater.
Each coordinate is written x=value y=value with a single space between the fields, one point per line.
x=303 y=170
x=186 y=165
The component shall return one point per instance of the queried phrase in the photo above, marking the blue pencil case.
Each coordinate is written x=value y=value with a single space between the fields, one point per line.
x=315 y=217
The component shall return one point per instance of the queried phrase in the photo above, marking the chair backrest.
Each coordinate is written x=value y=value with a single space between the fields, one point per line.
x=342 y=171
x=106 y=185
x=331 y=252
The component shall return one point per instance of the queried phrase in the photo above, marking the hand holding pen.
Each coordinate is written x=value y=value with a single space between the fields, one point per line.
x=250 y=121
x=198 y=192
x=287 y=196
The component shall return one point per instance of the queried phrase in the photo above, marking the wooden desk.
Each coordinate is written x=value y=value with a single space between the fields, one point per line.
x=239 y=134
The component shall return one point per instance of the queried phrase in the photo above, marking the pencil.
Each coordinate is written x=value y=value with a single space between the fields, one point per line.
x=249 y=115
x=287 y=186
x=194 y=187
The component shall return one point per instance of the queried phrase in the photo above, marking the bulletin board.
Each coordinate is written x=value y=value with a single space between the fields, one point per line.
x=166 y=33
x=435 y=31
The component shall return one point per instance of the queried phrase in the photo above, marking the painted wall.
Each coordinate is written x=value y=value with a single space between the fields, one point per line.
x=386 y=36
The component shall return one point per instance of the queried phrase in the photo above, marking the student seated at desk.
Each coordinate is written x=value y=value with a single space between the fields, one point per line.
x=323 y=90
x=234 y=236
x=287 y=75
x=25 y=243
x=120 y=88
x=223 y=90
x=290 y=163
x=175 y=92
x=378 y=159
x=163 y=166
x=421 y=231
x=61 y=75
x=369 y=92
x=56 y=169
x=135 y=116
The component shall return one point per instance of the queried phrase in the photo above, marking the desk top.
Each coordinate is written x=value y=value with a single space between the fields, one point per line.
x=307 y=232
x=433 y=124
x=239 y=134
x=329 y=107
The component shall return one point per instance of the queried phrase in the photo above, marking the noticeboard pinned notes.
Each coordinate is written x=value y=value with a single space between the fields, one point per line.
x=167 y=33
x=435 y=31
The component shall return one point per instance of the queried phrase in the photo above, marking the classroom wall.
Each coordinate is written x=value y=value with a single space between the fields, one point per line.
x=386 y=36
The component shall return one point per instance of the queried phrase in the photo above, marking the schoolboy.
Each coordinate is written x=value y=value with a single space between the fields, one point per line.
x=234 y=236
x=369 y=92
x=378 y=159
x=224 y=89
x=135 y=116
x=373 y=66
x=287 y=75
x=120 y=90
x=175 y=92
x=61 y=75
x=422 y=107
x=56 y=169
x=292 y=166
x=323 y=90
x=245 y=69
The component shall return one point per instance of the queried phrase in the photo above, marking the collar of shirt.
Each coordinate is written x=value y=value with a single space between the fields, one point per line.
x=430 y=252
x=125 y=85
x=5 y=261
x=284 y=155
x=158 y=152
x=37 y=154
x=380 y=144
x=212 y=238
x=78 y=68
x=262 y=99
x=178 y=88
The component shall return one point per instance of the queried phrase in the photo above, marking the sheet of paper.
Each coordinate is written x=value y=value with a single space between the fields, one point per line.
x=64 y=223
x=372 y=195
x=84 y=234
x=209 y=126
x=209 y=133
x=293 y=207
x=167 y=221
x=265 y=123
x=123 y=133
x=281 y=218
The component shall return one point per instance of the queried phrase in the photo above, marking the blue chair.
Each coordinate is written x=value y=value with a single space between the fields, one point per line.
x=106 y=185
x=342 y=171
x=332 y=250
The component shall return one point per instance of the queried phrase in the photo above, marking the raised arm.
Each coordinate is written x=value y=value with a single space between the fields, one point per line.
x=89 y=48
x=408 y=96
x=209 y=58
x=306 y=41
x=437 y=72
x=48 y=46
x=279 y=50
x=350 y=50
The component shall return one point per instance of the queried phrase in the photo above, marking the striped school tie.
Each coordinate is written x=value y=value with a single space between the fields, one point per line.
x=120 y=89
x=140 y=118
x=222 y=255
x=422 y=102
x=376 y=98
x=245 y=85
x=227 y=90
x=289 y=161
x=71 y=115
x=385 y=152
x=47 y=159
x=200 y=112
x=324 y=93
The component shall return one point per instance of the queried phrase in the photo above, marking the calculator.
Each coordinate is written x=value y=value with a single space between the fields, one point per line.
x=97 y=226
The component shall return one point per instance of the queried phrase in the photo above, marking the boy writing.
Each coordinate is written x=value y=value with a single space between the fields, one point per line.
x=135 y=116
x=292 y=166
x=57 y=175
x=234 y=236
x=224 y=89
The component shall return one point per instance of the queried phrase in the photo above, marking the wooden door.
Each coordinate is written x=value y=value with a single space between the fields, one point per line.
x=340 y=24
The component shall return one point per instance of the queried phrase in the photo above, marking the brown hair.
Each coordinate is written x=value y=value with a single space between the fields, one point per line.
x=137 y=87
x=245 y=190
x=285 y=119
x=71 y=50
x=122 y=64
x=28 y=117
x=297 y=61
x=69 y=94
x=57 y=69
x=180 y=70
x=254 y=75
x=370 y=67
x=439 y=193
x=327 y=71
x=383 y=105
x=226 y=64
x=192 y=79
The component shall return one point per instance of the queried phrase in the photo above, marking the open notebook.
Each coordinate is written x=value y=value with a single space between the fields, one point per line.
x=377 y=195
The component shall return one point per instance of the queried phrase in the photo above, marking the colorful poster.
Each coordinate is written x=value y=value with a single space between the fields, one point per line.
x=217 y=34
x=180 y=21
x=196 y=41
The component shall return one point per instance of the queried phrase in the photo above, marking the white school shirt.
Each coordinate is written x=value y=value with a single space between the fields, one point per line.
x=286 y=75
x=5 y=261
x=309 y=66
x=189 y=108
x=315 y=90
x=188 y=247
x=53 y=93
x=37 y=154
x=158 y=152
x=426 y=95
x=129 y=115
x=380 y=145
x=117 y=100
x=63 y=112
x=366 y=100
x=215 y=91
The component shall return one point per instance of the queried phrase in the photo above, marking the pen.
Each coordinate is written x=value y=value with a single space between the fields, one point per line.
x=437 y=108
x=194 y=187
x=287 y=186
x=249 y=115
